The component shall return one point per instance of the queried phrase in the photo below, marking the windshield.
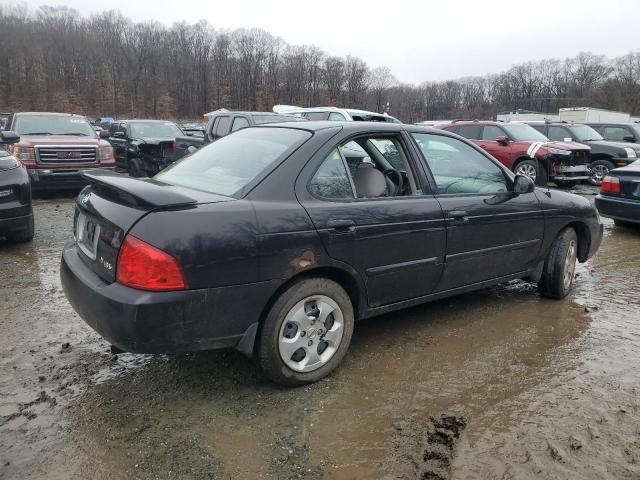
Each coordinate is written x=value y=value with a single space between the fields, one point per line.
x=635 y=128
x=524 y=133
x=585 y=133
x=53 y=125
x=155 y=130
x=232 y=162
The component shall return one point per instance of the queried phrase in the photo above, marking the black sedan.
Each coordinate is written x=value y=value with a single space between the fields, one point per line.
x=16 y=214
x=620 y=195
x=276 y=238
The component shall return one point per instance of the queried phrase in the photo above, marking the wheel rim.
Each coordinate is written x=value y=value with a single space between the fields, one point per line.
x=528 y=171
x=311 y=333
x=569 y=265
x=598 y=172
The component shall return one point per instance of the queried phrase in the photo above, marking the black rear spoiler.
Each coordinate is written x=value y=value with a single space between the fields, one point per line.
x=138 y=191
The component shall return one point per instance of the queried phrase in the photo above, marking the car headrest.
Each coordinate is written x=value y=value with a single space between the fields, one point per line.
x=369 y=182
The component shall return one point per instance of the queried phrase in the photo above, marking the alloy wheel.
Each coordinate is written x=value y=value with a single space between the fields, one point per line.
x=528 y=171
x=569 y=265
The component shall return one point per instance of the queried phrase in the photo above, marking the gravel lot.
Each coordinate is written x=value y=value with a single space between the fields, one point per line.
x=495 y=384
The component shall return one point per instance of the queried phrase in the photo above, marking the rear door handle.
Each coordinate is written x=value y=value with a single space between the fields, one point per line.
x=342 y=226
x=459 y=215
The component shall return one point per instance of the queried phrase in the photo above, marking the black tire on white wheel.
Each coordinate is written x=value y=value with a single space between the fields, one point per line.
x=559 y=267
x=306 y=332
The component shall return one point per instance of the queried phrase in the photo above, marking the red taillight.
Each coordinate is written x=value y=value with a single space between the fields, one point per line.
x=145 y=267
x=610 y=185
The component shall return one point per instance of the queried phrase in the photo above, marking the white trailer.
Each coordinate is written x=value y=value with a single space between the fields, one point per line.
x=587 y=114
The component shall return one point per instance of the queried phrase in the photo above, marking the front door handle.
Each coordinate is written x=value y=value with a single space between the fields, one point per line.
x=459 y=215
x=342 y=226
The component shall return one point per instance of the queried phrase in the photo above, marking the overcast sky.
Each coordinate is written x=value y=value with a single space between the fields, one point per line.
x=419 y=40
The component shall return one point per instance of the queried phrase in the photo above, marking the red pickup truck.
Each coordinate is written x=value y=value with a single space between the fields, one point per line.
x=525 y=151
x=55 y=147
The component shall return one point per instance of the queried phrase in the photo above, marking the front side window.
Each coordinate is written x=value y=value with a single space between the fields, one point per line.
x=491 y=133
x=457 y=168
x=228 y=165
x=332 y=180
x=222 y=126
x=53 y=125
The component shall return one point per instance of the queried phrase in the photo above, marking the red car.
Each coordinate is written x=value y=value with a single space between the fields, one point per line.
x=526 y=151
x=55 y=147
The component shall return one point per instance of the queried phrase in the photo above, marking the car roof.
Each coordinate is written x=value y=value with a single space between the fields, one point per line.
x=356 y=127
x=248 y=112
x=144 y=120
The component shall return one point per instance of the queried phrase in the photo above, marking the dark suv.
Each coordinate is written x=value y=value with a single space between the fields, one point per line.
x=605 y=155
x=526 y=151
x=223 y=121
x=618 y=132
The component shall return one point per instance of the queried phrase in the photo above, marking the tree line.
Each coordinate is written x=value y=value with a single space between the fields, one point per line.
x=54 y=59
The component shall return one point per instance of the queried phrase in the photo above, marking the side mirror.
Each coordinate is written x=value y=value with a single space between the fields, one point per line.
x=502 y=140
x=629 y=138
x=118 y=133
x=7 y=136
x=104 y=134
x=522 y=185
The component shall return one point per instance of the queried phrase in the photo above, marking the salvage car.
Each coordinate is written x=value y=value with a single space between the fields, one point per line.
x=16 y=212
x=268 y=241
x=619 y=197
x=526 y=151
x=605 y=155
x=144 y=147
x=55 y=147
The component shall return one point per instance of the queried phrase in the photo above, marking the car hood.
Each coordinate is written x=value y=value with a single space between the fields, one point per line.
x=559 y=145
x=608 y=143
x=35 y=140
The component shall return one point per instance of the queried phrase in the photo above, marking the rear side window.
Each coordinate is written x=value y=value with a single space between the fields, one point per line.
x=615 y=134
x=558 y=134
x=228 y=165
x=316 y=115
x=469 y=131
x=336 y=117
x=238 y=123
x=332 y=180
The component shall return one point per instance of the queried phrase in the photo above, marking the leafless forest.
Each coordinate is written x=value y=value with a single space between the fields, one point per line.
x=54 y=59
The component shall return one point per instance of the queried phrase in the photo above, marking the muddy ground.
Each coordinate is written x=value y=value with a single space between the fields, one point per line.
x=496 y=384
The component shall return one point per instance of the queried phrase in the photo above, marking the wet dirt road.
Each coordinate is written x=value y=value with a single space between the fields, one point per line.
x=528 y=387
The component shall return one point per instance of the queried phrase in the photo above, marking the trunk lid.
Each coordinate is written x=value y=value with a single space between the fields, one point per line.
x=111 y=204
x=629 y=178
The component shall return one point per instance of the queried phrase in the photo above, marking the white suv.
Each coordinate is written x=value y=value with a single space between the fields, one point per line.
x=335 y=114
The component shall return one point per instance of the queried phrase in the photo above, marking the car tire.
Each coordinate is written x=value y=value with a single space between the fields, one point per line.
x=559 y=267
x=25 y=235
x=599 y=169
x=135 y=168
x=293 y=333
x=531 y=168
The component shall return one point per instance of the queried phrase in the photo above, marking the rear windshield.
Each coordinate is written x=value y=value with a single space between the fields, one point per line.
x=53 y=125
x=229 y=164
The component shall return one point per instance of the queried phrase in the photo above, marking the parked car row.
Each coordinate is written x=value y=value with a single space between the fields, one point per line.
x=563 y=153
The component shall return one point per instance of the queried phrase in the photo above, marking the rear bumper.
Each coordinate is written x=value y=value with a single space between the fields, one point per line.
x=51 y=178
x=618 y=208
x=164 y=322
